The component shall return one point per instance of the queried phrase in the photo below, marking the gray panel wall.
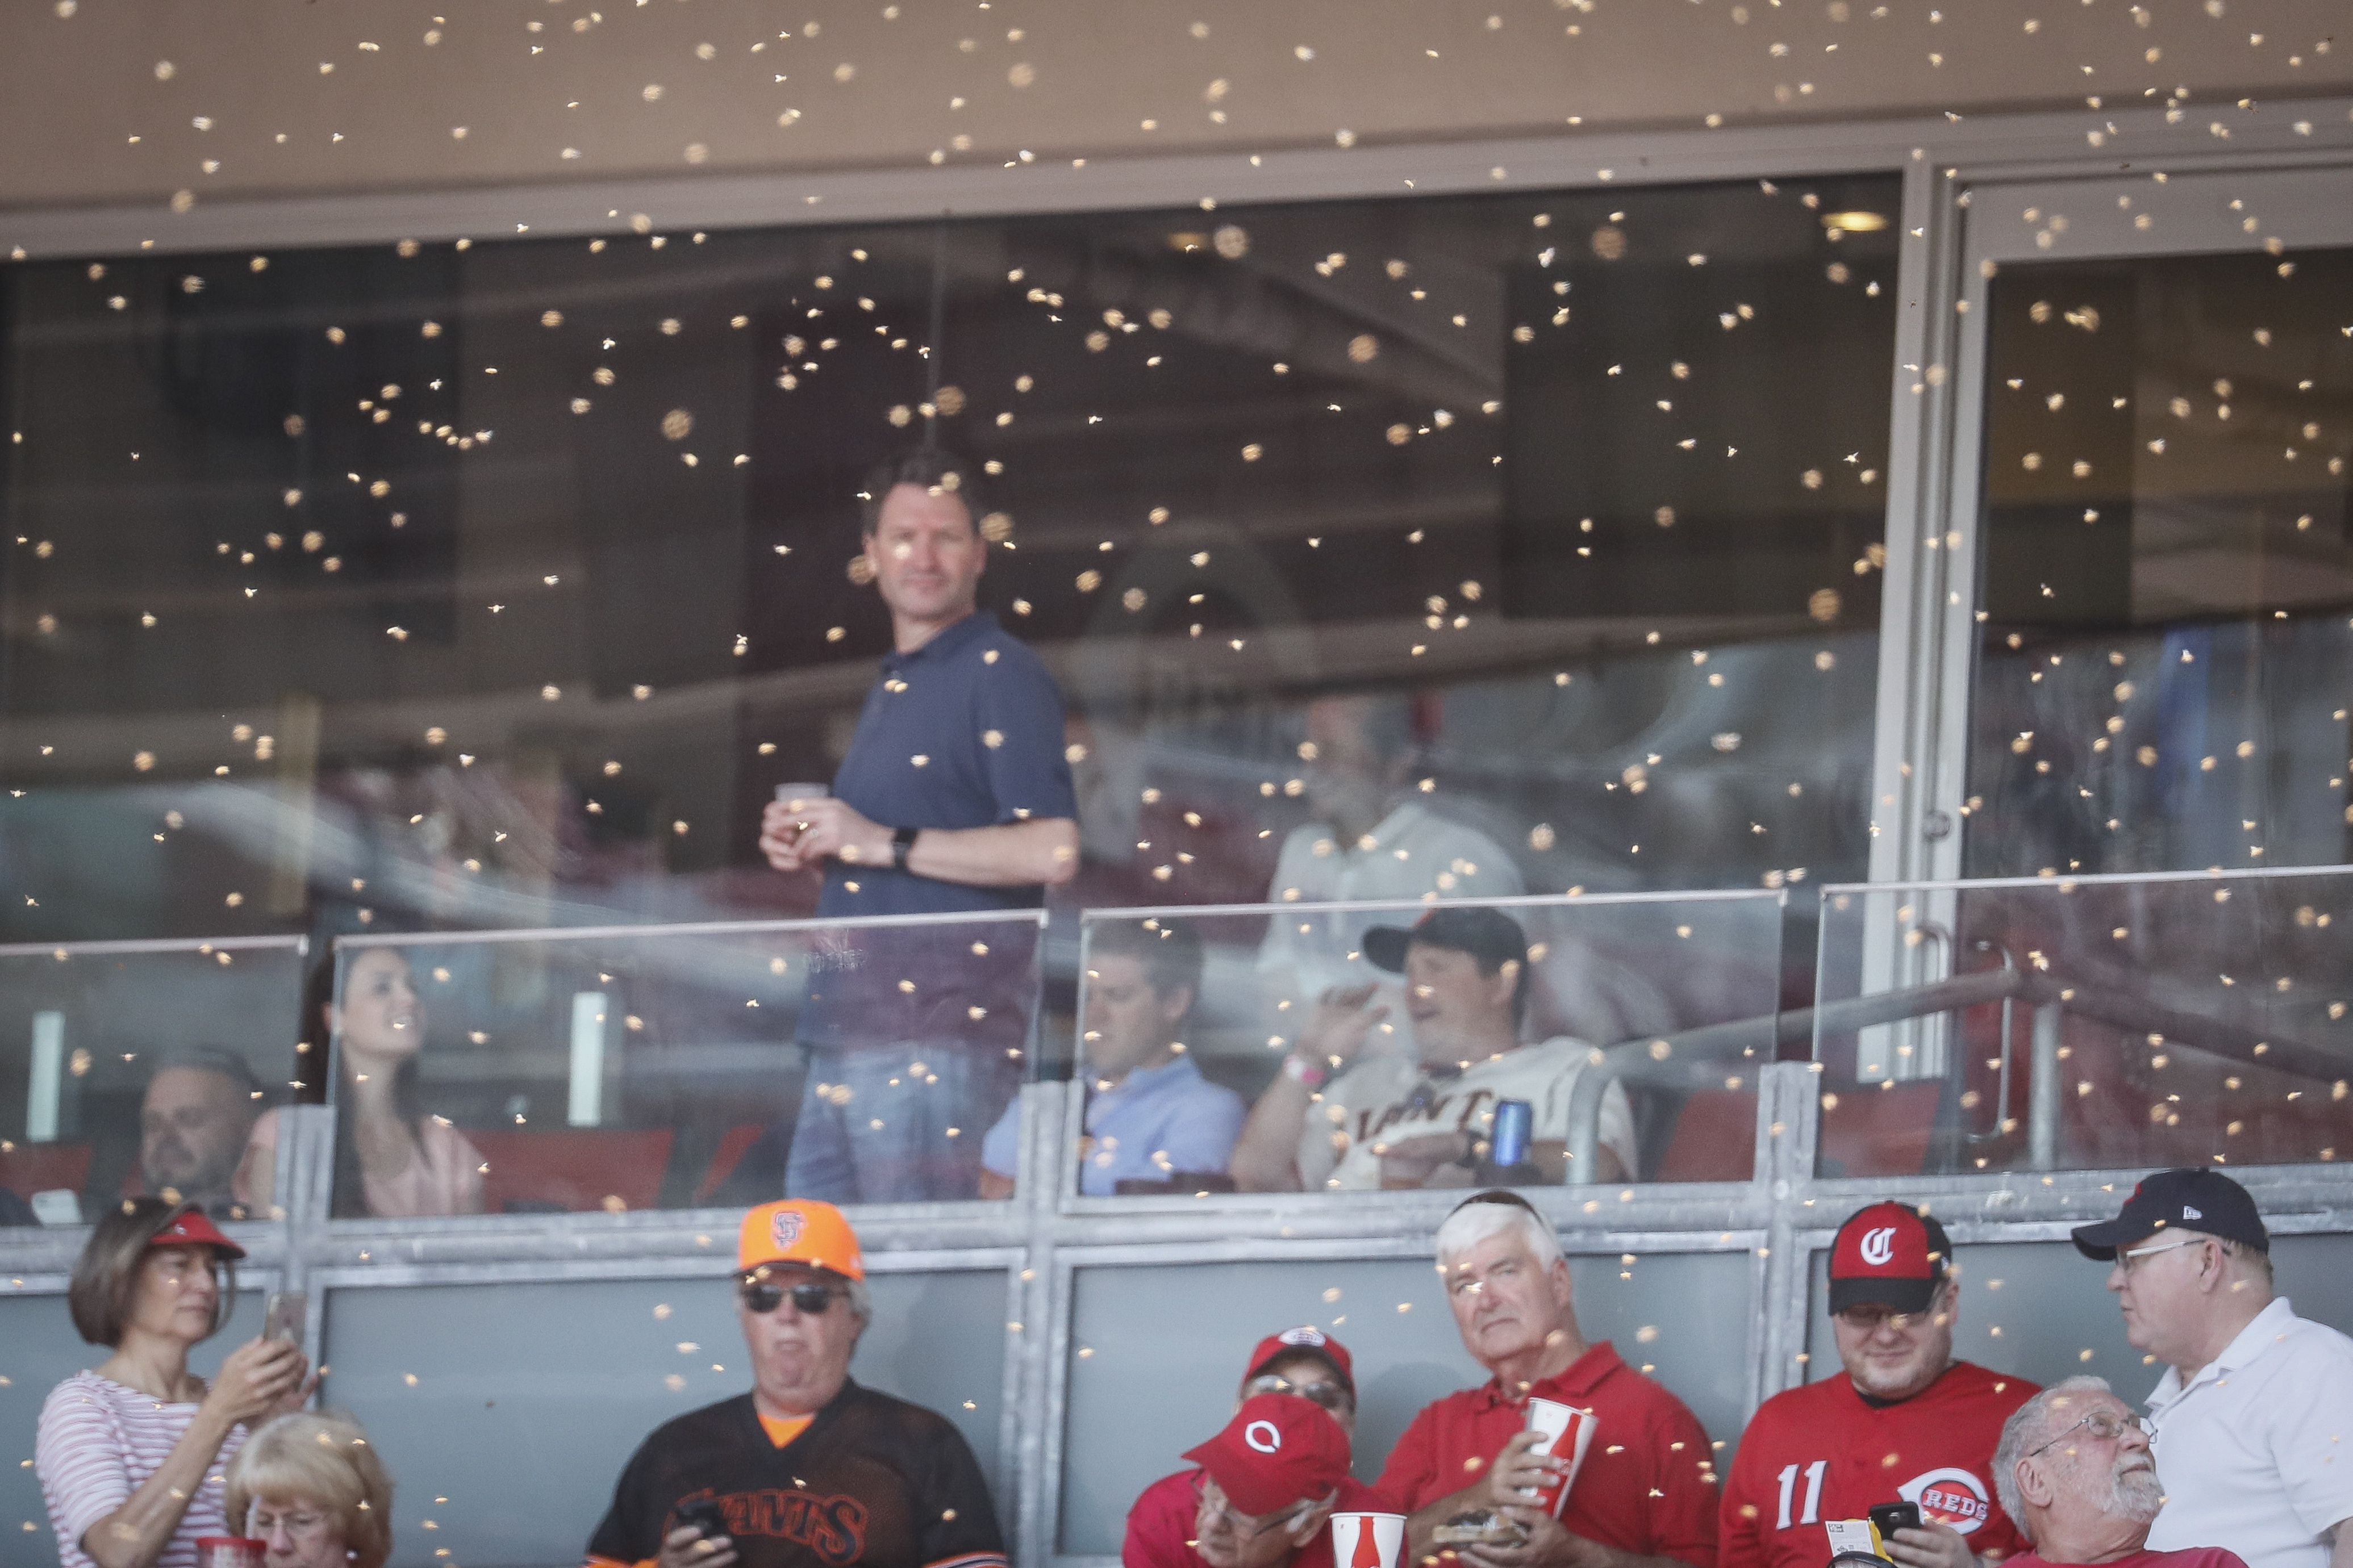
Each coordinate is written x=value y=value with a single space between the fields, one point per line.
x=1156 y=1354
x=2040 y=1309
x=528 y=1398
x=39 y=1350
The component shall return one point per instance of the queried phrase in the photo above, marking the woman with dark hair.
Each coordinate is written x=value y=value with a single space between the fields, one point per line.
x=390 y=1161
x=131 y=1455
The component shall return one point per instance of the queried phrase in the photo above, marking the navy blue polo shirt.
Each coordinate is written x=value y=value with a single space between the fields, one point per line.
x=966 y=732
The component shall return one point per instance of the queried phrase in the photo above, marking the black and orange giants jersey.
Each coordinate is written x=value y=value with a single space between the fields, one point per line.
x=871 y=1480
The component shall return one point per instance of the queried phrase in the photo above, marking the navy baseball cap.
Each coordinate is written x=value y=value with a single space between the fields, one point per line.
x=2204 y=1201
x=1488 y=935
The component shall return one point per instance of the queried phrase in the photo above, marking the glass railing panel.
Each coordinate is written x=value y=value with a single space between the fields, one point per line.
x=2089 y=1023
x=1270 y=1048
x=156 y=1067
x=680 y=1066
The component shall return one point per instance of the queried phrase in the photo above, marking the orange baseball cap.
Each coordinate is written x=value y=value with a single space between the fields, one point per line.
x=798 y=1230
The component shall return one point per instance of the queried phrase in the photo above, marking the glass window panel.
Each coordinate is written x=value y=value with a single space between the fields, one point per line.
x=654 y=1067
x=1157 y=1352
x=2098 y=1023
x=2041 y=1309
x=497 y=584
x=148 y=1070
x=515 y=1438
x=2169 y=561
x=1626 y=1033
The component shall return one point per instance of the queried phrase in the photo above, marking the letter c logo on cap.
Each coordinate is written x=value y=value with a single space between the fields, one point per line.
x=1271 y=1443
x=1879 y=1246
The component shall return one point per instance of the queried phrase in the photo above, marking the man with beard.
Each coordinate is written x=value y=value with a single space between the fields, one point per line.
x=2074 y=1471
x=1904 y=1420
x=808 y=1469
x=194 y=1120
x=2248 y=1421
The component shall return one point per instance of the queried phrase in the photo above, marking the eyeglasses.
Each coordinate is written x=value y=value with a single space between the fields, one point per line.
x=1871 y=1319
x=1330 y=1395
x=2104 y=1426
x=301 y=1522
x=810 y=1298
x=1206 y=1514
x=2128 y=1261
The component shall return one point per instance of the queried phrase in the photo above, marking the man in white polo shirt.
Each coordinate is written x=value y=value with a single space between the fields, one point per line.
x=2252 y=1422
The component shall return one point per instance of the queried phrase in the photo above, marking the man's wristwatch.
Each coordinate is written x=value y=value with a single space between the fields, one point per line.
x=901 y=841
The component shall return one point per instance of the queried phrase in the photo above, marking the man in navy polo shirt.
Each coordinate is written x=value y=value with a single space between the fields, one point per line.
x=954 y=796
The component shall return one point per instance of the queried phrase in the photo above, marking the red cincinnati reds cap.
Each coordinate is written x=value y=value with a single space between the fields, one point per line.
x=1275 y=1452
x=1304 y=1339
x=1889 y=1255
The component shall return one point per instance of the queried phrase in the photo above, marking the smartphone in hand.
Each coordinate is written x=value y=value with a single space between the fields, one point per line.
x=282 y=1319
x=705 y=1515
x=1887 y=1517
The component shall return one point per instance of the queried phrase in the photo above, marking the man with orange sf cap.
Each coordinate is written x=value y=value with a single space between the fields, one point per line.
x=809 y=1469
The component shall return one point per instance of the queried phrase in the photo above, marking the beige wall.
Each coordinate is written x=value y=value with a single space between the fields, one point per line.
x=99 y=100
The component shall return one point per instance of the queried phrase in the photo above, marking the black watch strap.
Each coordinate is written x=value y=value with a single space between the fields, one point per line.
x=901 y=841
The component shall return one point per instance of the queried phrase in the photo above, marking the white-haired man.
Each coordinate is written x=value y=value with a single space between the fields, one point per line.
x=1645 y=1494
x=2249 y=1421
x=2076 y=1475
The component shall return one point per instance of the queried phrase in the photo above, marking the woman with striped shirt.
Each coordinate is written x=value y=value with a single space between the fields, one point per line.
x=132 y=1456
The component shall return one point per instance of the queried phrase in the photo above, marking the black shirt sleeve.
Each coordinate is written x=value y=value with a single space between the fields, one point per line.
x=625 y=1535
x=956 y=1521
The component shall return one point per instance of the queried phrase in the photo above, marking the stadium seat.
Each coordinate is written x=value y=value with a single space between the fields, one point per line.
x=571 y=1170
x=29 y=1168
x=731 y=1144
x=1714 y=1139
x=1879 y=1129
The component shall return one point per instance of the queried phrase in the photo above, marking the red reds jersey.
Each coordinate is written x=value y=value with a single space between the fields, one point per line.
x=1648 y=1485
x=1160 y=1525
x=1821 y=1453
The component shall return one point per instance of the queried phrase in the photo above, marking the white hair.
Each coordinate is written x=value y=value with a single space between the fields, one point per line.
x=2024 y=1432
x=1475 y=1221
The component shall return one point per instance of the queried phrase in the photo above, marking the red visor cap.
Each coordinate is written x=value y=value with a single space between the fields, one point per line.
x=192 y=1229
x=1888 y=1255
x=1277 y=1451
x=1305 y=1339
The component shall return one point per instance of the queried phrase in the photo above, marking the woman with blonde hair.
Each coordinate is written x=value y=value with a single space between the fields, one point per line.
x=310 y=1487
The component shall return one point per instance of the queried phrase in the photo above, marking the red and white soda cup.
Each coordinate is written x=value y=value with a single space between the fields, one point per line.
x=229 y=1552
x=1368 y=1540
x=1565 y=1432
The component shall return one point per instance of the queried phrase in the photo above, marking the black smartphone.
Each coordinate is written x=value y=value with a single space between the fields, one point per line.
x=705 y=1515
x=1888 y=1518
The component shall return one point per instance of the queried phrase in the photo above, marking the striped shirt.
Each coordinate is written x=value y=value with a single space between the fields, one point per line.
x=99 y=1443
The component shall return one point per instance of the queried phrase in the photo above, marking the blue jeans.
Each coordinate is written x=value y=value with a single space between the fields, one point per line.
x=897 y=1123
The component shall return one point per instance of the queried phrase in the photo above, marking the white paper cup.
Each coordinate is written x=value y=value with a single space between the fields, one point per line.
x=1567 y=1433
x=1368 y=1540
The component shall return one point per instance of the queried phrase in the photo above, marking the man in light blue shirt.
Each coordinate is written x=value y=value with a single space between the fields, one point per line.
x=1151 y=1116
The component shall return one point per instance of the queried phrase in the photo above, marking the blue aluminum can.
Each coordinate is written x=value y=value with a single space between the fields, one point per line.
x=1514 y=1119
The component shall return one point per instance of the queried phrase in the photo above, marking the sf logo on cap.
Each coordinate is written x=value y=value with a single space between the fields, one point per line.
x=1270 y=1443
x=784 y=1226
x=1879 y=1246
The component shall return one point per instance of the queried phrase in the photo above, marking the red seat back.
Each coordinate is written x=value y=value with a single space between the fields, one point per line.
x=29 y=1168
x=1880 y=1129
x=1714 y=1141
x=732 y=1145
x=579 y=1169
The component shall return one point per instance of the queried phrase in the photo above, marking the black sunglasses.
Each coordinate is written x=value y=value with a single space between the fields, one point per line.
x=810 y=1297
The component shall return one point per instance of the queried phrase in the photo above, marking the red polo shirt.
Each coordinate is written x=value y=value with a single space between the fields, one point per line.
x=1649 y=1481
x=1160 y=1525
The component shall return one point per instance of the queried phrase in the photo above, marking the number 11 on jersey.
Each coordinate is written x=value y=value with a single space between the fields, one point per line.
x=1813 y=1492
